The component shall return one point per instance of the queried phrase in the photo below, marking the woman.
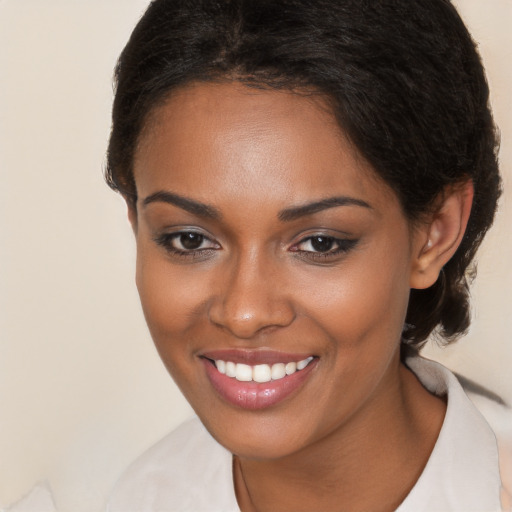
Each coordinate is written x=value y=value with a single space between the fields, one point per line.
x=308 y=183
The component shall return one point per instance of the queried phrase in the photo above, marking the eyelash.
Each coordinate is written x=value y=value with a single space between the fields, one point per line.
x=167 y=241
x=343 y=245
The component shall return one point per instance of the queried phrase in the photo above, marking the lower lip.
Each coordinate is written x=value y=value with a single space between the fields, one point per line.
x=255 y=395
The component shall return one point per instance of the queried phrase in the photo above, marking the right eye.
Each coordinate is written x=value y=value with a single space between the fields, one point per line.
x=186 y=243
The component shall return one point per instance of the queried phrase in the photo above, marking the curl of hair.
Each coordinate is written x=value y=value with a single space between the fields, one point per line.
x=404 y=80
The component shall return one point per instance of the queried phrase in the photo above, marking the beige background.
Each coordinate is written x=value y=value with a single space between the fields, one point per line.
x=82 y=391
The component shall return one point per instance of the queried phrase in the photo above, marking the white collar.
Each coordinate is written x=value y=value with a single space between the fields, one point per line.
x=188 y=471
x=462 y=473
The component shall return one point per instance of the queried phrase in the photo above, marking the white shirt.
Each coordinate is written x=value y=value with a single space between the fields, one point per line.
x=188 y=471
x=39 y=499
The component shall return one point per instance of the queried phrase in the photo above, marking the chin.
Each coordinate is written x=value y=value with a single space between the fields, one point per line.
x=262 y=435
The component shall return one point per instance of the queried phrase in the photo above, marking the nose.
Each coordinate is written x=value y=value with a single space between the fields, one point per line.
x=251 y=297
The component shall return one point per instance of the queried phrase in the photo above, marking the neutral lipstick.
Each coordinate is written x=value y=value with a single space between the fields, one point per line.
x=290 y=372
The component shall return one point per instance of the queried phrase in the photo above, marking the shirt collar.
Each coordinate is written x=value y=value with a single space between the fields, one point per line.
x=462 y=472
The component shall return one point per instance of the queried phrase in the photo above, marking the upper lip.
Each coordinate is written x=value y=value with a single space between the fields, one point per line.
x=253 y=357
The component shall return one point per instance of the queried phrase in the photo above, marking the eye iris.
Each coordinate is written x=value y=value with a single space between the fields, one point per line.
x=322 y=243
x=191 y=240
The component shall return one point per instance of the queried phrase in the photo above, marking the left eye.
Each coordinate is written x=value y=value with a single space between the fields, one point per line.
x=323 y=244
x=318 y=244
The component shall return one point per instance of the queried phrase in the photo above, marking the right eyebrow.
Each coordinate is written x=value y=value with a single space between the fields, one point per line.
x=185 y=203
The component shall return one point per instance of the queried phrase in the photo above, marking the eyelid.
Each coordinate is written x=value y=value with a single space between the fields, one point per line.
x=337 y=235
x=166 y=238
x=204 y=239
x=343 y=245
x=335 y=239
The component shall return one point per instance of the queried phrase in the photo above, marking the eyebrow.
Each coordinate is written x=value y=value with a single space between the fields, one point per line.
x=189 y=205
x=286 y=215
x=296 y=212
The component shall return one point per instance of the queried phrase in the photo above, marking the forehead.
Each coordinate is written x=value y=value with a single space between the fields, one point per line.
x=211 y=139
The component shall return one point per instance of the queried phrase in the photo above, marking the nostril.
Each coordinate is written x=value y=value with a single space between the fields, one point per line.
x=248 y=308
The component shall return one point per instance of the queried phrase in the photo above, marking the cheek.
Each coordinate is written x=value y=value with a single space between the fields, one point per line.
x=362 y=303
x=174 y=298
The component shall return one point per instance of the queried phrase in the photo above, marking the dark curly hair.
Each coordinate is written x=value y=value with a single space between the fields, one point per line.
x=404 y=81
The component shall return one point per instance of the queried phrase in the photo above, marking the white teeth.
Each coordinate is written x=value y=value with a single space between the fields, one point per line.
x=302 y=364
x=243 y=372
x=230 y=369
x=278 y=371
x=260 y=372
x=290 y=368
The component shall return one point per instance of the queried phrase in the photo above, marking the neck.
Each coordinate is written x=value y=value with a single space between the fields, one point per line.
x=371 y=462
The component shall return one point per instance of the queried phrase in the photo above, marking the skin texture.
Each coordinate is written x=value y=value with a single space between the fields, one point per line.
x=256 y=283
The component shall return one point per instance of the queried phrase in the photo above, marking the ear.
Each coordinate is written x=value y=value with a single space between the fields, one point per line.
x=436 y=241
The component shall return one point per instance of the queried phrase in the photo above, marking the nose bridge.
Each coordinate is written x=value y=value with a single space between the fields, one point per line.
x=251 y=295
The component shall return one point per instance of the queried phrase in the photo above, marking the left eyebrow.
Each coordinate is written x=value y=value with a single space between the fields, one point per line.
x=296 y=212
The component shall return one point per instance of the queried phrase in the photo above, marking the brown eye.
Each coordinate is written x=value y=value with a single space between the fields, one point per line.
x=186 y=243
x=322 y=243
x=191 y=241
x=324 y=247
x=319 y=244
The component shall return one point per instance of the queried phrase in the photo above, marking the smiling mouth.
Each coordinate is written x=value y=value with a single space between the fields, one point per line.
x=257 y=380
x=260 y=373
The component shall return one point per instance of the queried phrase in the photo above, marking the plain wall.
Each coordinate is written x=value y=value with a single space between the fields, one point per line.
x=82 y=391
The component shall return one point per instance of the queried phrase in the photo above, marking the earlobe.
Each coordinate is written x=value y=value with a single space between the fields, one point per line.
x=437 y=240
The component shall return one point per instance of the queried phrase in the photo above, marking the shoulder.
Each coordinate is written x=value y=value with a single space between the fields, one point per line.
x=186 y=471
x=39 y=499
x=499 y=417
x=464 y=465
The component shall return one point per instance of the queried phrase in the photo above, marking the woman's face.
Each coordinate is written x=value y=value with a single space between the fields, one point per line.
x=265 y=240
